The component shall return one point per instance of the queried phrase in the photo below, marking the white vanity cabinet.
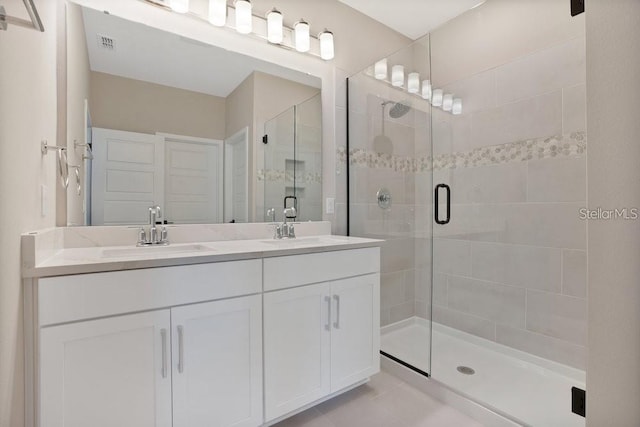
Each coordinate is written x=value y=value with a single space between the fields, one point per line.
x=240 y=343
x=319 y=338
x=187 y=365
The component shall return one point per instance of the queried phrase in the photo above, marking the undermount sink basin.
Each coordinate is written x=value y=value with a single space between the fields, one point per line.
x=153 y=250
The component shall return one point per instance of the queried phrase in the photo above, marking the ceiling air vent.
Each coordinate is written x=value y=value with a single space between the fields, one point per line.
x=106 y=42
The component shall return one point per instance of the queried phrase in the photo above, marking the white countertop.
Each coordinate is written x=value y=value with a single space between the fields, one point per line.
x=81 y=260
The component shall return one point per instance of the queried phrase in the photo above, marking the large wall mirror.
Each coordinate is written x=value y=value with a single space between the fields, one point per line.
x=207 y=134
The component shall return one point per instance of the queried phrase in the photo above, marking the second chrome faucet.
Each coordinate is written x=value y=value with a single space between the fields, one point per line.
x=286 y=230
x=155 y=235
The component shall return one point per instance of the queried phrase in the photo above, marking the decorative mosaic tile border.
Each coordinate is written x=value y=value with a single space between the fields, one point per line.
x=276 y=175
x=572 y=144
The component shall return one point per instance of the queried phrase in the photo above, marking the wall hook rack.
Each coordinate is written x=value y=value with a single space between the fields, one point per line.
x=35 y=22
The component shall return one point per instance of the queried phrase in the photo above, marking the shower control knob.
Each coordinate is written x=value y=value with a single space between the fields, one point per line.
x=384 y=198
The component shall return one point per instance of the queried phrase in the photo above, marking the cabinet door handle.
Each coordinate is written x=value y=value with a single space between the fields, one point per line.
x=180 y=349
x=336 y=324
x=163 y=335
x=328 y=325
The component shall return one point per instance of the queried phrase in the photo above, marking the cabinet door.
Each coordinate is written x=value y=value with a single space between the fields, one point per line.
x=355 y=333
x=108 y=372
x=296 y=348
x=217 y=363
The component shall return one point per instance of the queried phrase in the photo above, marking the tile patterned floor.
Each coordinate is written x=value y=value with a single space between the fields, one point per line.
x=385 y=401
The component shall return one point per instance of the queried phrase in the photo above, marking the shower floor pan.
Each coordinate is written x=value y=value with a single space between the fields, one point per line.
x=529 y=388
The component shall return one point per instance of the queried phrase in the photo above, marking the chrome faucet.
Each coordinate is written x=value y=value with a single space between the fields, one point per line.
x=154 y=236
x=286 y=229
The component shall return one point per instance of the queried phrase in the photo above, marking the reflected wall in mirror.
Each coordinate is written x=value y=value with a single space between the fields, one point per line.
x=179 y=124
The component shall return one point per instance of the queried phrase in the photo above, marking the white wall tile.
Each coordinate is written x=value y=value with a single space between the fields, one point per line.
x=452 y=256
x=464 y=322
x=392 y=289
x=478 y=92
x=499 y=303
x=574 y=108
x=557 y=180
x=541 y=72
x=543 y=346
x=545 y=224
x=516 y=265
x=574 y=273
x=530 y=118
x=489 y=184
x=402 y=311
x=440 y=289
x=557 y=316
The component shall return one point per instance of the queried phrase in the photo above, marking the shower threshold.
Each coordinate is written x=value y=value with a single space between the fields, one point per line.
x=529 y=388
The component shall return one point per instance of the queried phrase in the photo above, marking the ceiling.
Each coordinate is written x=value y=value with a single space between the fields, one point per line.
x=412 y=18
x=144 y=53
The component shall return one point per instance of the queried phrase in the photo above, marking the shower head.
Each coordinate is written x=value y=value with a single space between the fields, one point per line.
x=398 y=110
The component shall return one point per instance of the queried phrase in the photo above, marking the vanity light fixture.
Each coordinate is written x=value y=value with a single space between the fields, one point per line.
x=380 y=69
x=426 y=90
x=180 y=6
x=244 y=19
x=301 y=29
x=413 y=83
x=456 y=109
x=436 y=98
x=269 y=27
x=218 y=12
x=274 y=26
x=447 y=102
x=327 y=50
x=397 y=75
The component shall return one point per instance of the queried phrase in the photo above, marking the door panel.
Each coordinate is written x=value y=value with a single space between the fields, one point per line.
x=296 y=348
x=355 y=334
x=127 y=176
x=107 y=372
x=217 y=363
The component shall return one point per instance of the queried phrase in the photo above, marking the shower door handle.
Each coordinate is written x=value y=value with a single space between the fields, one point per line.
x=436 y=209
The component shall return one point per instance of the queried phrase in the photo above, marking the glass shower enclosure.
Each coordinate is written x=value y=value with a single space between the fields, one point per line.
x=475 y=178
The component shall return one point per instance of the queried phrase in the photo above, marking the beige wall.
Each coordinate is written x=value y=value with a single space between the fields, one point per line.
x=27 y=115
x=78 y=76
x=476 y=41
x=613 y=107
x=137 y=106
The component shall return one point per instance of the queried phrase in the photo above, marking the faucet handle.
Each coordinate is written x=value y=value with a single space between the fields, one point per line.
x=164 y=236
x=277 y=231
x=142 y=237
x=291 y=232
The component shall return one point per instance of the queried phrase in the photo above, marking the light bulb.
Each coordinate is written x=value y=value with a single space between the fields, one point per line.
x=218 y=12
x=413 y=83
x=180 y=6
x=426 y=89
x=436 y=98
x=327 y=50
x=303 y=44
x=274 y=26
x=447 y=102
x=380 y=69
x=457 y=106
x=244 y=24
x=397 y=75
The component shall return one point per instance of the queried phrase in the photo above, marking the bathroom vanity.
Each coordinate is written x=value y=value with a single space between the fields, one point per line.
x=234 y=332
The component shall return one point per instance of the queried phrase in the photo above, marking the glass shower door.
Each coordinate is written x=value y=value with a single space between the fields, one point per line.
x=390 y=198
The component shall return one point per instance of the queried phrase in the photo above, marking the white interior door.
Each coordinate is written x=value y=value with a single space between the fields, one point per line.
x=296 y=348
x=193 y=180
x=236 y=178
x=217 y=364
x=127 y=176
x=107 y=372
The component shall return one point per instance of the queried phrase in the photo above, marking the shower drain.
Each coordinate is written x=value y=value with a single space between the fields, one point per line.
x=466 y=370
